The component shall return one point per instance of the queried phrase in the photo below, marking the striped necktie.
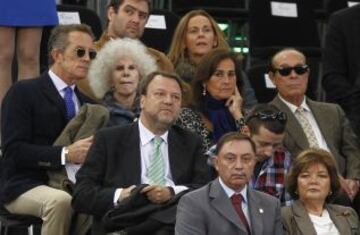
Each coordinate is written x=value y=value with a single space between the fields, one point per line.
x=308 y=130
x=156 y=170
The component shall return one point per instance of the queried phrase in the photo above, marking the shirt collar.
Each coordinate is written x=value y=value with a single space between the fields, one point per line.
x=58 y=82
x=146 y=135
x=292 y=107
x=230 y=192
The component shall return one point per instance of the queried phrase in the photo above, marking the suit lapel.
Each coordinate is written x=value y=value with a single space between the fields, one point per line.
x=131 y=154
x=293 y=128
x=320 y=116
x=302 y=219
x=51 y=93
x=176 y=151
x=256 y=213
x=222 y=204
x=338 y=217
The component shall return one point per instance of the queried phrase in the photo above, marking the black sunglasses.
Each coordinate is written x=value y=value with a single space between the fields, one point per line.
x=299 y=69
x=278 y=116
x=80 y=52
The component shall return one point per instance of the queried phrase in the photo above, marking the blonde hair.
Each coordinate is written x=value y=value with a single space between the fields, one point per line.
x=101 y=68
x=177 y=49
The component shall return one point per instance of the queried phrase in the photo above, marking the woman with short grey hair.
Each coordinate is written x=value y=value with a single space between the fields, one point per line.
x=115 y=74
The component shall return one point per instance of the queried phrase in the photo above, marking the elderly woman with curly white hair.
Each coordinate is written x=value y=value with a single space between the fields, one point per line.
x=114 y=77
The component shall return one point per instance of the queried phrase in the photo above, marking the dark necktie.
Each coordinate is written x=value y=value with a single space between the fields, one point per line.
x=236 y=200
x=69 y=103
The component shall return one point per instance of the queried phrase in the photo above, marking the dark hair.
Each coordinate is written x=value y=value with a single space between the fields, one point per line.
x=117 y=3
x=271 y=66
x=268 y=116
x=304 y=160
x=231 y=136
x=207 y=68
x=59 y=37
x=144 y=84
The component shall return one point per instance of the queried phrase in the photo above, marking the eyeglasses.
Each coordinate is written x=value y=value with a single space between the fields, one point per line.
x=80 y=52
x=278 y=116
x=299 y=69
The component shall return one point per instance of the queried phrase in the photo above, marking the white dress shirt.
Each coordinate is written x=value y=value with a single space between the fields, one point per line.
x=60 y=85
x=146 y=149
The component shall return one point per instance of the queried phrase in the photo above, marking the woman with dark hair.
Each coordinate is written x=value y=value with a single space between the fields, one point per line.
x=197 y=34
x=217 y=103
x=313 y=180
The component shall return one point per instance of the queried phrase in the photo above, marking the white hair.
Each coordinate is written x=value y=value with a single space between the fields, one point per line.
x=103 y=65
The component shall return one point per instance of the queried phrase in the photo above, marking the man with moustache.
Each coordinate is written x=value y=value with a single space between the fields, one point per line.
x=124 y=157
x=34 y=113
x=314 y=124
x=227 y=205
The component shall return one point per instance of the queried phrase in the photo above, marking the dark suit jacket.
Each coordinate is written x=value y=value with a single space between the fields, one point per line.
x=336 y=130
x=296 y=220
x=341 y=61
x=114 y=162
x=209 y=211
x=33 y=116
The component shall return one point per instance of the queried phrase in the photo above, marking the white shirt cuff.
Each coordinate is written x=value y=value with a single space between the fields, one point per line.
x=179 y=188
x=63 y=159
x=117 y=195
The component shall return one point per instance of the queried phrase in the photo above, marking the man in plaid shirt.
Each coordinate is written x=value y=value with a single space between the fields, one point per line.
x=266 y=126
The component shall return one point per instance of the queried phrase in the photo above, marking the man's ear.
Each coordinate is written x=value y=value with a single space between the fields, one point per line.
x=56 y=53
x=142 y=101
x=215 y=161
x=110 y=13
x=272 y=76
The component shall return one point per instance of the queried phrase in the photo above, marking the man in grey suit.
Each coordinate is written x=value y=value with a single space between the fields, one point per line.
x=311 y=123
x=214 y=209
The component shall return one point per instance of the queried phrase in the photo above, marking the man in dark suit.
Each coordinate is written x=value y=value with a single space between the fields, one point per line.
x=124 y=157
x=227 y=205
x=34 y=113
x=341 y=61
x=311 y=123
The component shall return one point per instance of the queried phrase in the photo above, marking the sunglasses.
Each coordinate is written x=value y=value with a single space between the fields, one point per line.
x=299 y=70
x=80 y=52
x=278 y=116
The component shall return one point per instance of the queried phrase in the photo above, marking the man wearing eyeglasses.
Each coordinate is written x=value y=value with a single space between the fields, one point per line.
x=313 y=124
x=127 y=18
x=34 y=113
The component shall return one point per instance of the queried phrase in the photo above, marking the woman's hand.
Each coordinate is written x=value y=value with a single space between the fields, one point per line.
x=234 y=104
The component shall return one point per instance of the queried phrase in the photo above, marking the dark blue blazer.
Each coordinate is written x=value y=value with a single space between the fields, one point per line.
x=33 y=115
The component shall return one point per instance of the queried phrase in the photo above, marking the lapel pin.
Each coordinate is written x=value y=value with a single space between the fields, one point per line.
x=261 y=210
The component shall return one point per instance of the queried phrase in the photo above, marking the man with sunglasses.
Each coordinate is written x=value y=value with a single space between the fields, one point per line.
x=314 y=124
x=34 y=113
x=127 y=18
x=266 y=126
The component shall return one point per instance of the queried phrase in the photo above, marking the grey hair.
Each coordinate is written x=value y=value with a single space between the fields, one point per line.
x=101 y=68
